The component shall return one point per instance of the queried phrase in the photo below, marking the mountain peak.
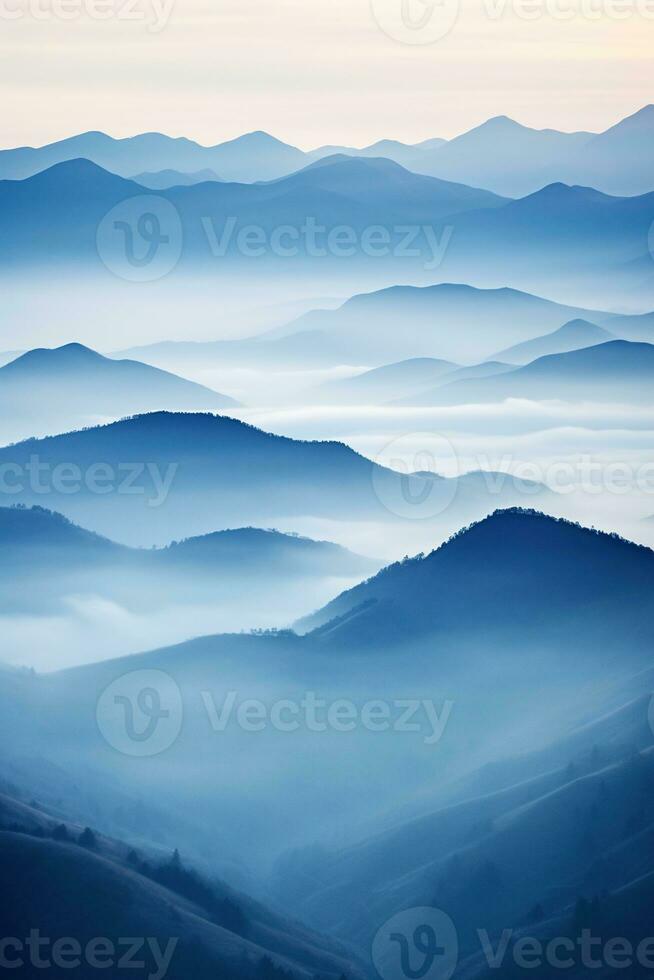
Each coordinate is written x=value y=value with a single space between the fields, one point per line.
x=75 y=173
x=643 y=118
x=69 y=355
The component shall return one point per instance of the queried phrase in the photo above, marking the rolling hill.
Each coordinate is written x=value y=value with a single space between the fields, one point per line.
x=574 y=335
x=385 y=383
x=617 y=371
x=46 y=559
x=144 y=479
x=451 y=320
x=198 y=925
x=51 y=390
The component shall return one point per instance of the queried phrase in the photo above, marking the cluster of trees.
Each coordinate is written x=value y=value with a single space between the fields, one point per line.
x=60 y=833
x=189 y=884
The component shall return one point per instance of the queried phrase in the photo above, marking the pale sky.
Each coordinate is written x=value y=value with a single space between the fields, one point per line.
x=318 y=71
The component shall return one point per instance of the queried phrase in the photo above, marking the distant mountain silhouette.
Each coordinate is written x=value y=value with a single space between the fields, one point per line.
x=619 y=160
x=452 y=321
x=393 y=382
x=539 y=239
x=46 y=390
x=254 y=156
x=410 y=156
x=574 y=335
x=45 y=558
x=504 y=156
x=385 y=383
x=337 y=191
x=374 y=180
x=163 y=179
x=617 y=371
x=501 y=155
x=589 y=243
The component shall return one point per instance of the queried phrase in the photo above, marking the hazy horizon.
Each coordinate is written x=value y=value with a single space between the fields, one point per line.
x=311 y=75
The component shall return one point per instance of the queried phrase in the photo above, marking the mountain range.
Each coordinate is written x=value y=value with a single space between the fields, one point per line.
x=332 y=192
x=574 y=335
x=451 y=322
x=617 y=371
x=404 y=379
x=500 y=155
x=46 y=559
x=391 y=226
x=536 y=793
x=146 y=479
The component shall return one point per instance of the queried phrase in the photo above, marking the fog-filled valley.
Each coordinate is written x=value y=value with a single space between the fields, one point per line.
x=327 y=553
